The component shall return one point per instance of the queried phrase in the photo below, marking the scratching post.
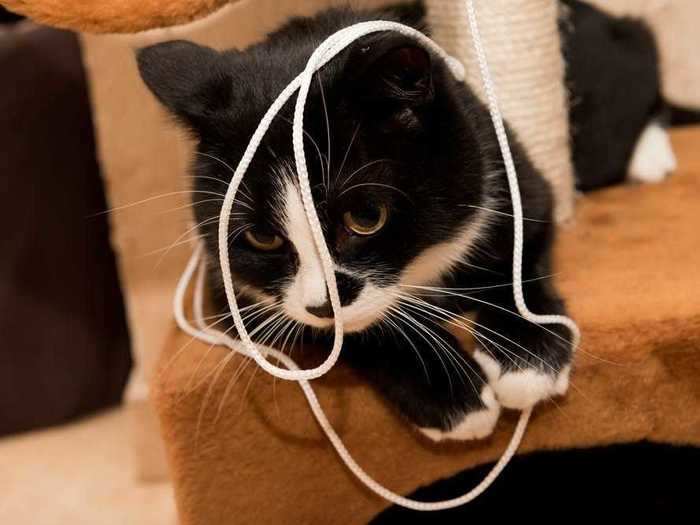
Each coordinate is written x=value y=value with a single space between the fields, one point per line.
x=521 y=39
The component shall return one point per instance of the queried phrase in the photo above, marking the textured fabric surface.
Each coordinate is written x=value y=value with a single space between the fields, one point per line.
x=241 y=444
x=110 y=16
x=65 y=348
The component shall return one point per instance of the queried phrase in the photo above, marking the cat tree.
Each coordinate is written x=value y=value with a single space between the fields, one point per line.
x=260 y=450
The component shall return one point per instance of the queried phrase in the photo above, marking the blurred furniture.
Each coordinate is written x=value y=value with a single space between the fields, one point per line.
x=81 y=473
x=65 y=349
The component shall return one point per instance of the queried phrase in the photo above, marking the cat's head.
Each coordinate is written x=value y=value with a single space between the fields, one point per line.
x=394 y=165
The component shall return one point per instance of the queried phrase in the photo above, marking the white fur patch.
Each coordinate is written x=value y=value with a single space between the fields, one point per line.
x=653 y=158
x=474 y=425
x=520 y=389
x=308 y=287
x=433 y=263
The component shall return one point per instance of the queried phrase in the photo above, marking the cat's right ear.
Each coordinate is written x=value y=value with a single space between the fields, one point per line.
x=188 y=79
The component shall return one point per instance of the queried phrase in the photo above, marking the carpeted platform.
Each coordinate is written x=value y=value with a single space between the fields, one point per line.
x=630 y=268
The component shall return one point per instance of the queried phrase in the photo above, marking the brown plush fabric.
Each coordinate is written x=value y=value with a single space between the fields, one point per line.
x=110 y=16
x=630 y=269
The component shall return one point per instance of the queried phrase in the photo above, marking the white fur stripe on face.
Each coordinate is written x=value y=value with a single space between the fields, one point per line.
x=438 y=260
x=309 y=286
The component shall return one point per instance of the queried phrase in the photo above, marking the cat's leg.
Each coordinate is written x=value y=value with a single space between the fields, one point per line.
x=428 y=378
x=525 y=362
x=653 y=158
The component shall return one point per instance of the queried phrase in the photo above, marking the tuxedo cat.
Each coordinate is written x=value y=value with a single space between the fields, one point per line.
x=410 y=189
x=617 y=115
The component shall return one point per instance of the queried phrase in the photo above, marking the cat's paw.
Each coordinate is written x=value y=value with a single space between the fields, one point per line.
x=653 y=158
x=524 y=388
x=474 y=424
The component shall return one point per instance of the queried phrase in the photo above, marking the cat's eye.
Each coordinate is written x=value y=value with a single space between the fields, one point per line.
x=367 y=219
x=262 y=240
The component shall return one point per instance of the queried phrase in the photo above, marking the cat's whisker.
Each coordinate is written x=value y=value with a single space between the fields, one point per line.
x=271 y=330
x=456 y=355
x=388 y=319
x=361 y=168
x=498 y=212
x=225 y=395
x=328 y=129
x=174 y=245
x=493 y=305
x=243 y=188
x=376 y=184
x=218 y=319
x=233 y=234
x=180 y=351
x=204 y=222
x=287 y=329
x=502 y=308
x=347 y=152
x=233 y=380
x=509 y=354
x=315 y=144
x=477 y=288
x=217 y=370
x=420 y=329
x=152 y=198
x=477 y=267
x=448 y=314
x=190 y=205
x=506 y=352
x=257 y=312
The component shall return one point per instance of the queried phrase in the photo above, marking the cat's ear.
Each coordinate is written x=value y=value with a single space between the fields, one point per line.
x=391 y=68
x=188 y=79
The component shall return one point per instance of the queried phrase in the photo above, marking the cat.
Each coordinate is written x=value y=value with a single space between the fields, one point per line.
x=409 y=186
x=618 y=116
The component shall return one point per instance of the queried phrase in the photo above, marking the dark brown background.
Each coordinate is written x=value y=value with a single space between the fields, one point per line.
x=64 y=350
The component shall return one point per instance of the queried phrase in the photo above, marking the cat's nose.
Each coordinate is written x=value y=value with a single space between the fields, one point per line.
x=324 y=311
x=349 y=289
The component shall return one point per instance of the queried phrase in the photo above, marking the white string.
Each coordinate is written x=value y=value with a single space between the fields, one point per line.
x=216 y=337
x=497 y=119
x=246 y=347
x=333 y=45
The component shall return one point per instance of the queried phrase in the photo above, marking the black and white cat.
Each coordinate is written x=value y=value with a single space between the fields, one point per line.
x=618 y=115
x=410 y=189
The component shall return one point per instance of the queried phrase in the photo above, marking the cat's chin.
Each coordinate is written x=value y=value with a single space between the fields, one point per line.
x=368 y=309
x=349 y=326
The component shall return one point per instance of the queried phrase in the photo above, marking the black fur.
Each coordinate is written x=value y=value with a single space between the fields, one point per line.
x=612 y=72
x=433 y=141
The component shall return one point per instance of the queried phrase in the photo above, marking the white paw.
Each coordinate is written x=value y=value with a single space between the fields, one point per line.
x=474 y=425
x=653 y=158
x=522 y=389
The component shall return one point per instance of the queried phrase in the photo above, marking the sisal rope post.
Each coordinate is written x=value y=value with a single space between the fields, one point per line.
x=521 y=39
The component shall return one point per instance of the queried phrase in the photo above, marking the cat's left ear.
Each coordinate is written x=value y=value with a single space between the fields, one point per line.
x=188 y=79
x=391 y=68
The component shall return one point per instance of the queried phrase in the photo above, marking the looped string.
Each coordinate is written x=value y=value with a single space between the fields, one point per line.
x=289 y=370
